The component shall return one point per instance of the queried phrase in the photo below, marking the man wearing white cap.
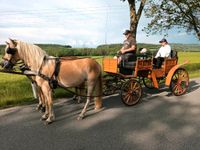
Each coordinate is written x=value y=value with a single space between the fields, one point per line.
x=162 y=53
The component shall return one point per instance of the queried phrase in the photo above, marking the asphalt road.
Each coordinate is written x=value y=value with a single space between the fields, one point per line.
x=160 y=121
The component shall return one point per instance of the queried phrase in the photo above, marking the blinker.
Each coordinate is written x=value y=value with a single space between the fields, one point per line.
x=11 y=51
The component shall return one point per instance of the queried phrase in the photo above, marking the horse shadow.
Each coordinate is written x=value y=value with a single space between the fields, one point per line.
x=70 y=109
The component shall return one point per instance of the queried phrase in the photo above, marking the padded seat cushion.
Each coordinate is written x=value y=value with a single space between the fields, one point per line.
x=129 y=65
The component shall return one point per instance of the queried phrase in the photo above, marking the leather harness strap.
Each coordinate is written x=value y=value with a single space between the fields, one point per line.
x=53 y=79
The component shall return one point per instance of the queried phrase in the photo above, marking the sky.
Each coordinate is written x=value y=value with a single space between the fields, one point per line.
x=80 y=23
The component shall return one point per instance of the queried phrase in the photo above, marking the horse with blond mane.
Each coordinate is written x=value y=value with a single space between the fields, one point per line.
x=72 y=73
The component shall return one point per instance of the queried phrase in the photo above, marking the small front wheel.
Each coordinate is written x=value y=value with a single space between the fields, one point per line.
x=131 y=92
x=148 y=83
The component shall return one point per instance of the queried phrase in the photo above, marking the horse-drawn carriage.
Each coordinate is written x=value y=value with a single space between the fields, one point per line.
x=128 y=77
x=44 y=70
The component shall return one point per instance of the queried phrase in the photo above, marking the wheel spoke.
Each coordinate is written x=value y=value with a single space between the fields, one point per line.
x=131 y=92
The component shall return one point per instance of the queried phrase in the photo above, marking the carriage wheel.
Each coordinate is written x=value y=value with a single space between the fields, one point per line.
x=131 y=92
x=148 y=83
x=179 y=82
x=111 y=84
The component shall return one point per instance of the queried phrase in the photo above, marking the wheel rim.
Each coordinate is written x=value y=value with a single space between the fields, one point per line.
x=131 y=92
x=179 y=82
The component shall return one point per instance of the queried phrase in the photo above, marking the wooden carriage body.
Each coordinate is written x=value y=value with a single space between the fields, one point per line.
x=173 y=75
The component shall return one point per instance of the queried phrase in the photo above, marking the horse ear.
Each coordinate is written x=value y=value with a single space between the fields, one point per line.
x=13 y=42
x=7 y=43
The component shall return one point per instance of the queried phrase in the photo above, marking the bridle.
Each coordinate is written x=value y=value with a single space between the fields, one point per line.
x=8 y=64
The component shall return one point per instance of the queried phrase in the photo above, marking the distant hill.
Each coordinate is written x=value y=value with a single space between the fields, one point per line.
x=103 y=50
x=154 y=47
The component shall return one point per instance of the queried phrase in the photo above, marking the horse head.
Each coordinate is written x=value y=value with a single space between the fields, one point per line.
x=11 y=55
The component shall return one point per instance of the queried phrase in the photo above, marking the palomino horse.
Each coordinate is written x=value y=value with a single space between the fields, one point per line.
x=72 y=73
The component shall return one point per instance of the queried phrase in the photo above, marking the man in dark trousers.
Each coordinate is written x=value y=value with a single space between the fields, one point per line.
x=128 y=49
x=163 y=52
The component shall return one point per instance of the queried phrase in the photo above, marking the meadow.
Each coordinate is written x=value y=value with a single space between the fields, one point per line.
x=16 y=89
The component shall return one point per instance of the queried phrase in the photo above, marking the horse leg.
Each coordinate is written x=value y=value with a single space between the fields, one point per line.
x=91 y=85
x=46 y=113
x=49 y=114
x=41 y=98
x=79 y=93
x=43 y=108
x=98 y=93
x=76 y=97
x=82 y=114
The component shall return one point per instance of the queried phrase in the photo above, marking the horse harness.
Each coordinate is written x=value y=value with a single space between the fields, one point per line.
x=53 y=82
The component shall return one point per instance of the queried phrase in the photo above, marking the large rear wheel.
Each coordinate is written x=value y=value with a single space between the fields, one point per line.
x=179 y=82
x=131 y=92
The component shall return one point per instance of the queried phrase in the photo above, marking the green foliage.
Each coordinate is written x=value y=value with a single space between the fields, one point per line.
x=167 y=14
x=104 y=50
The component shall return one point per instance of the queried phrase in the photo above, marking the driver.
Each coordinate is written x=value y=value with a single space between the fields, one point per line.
x=128 y=50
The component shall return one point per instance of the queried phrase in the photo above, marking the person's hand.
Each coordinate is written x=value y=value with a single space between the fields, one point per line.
x=119 y=52
x=123 y=51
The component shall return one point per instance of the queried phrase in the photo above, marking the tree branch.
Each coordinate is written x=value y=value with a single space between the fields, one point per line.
x=139 y=12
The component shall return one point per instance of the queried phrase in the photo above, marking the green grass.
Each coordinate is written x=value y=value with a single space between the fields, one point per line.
x=193 y=66
x=16 y=89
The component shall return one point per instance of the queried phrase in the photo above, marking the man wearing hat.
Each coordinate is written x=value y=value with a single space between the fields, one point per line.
x=162 y=53
x=128 y=49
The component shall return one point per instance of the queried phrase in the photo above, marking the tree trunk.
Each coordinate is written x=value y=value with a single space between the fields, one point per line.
x=133 y=18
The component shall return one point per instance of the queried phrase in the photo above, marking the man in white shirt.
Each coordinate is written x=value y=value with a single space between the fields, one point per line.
x=162 y=53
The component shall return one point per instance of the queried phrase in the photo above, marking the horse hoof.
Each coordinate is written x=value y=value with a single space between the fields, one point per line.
x=80 y=117
x=48 y=122
x=79 y=101
x=44 y=117
x=97 y=108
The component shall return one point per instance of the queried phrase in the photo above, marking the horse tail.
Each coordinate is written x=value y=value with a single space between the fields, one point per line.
x=99 y=86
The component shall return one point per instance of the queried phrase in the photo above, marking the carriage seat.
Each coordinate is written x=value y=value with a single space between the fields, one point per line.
x=174 y=54
x=129 y=65
x=128 y=61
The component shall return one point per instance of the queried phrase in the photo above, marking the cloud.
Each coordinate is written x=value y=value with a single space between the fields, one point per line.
x=88 y=22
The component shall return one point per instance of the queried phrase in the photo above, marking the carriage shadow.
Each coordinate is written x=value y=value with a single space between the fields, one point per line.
x=193 y=86
x=74 y=108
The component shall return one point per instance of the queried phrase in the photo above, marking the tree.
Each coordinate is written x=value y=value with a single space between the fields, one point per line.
x=135 y=14
x=166 y=14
